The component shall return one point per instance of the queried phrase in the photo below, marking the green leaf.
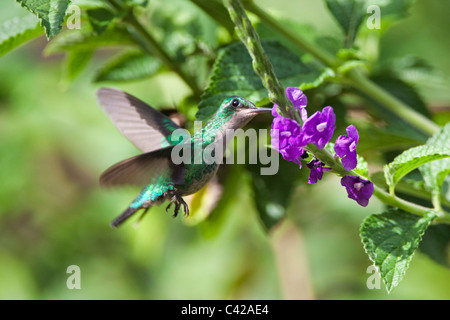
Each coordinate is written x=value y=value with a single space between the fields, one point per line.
x=100 y=19
x=87 y=40
x=51 y=13
x=272 y=193
x=217 y=11
x=436 y=244
x=435 y=172
x=233 y=74
x=373 y=138
x=404 y=92
x=410 y=160
x=390 y=239
x=17 y=31
x=349 y=14
x=362 y=166
x=413 y=70
x=132 y=65
x=76 y=61
x=134 y=3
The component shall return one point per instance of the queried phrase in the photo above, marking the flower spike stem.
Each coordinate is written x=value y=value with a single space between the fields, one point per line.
x=261 y=63
x=354 y=77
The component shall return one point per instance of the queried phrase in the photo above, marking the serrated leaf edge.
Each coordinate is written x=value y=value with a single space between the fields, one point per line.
x=378 y=268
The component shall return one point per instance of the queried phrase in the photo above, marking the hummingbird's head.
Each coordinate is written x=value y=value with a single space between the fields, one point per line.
x=238 y=111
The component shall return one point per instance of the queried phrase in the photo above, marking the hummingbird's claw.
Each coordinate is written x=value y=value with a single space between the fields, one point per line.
x=185 y=207
x=177 y=208
x=178 y=200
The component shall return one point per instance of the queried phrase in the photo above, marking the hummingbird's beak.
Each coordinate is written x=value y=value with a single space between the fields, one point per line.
x=260 y=110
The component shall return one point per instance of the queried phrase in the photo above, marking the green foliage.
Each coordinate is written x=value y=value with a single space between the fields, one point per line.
x=436 y=244
x=386 y=95
x=390 y=239
x=76 y=61
x=272 y=193
x=383 y=139
x=51 y=13
x=362 y=167
x=18 y=31
x=100 y=19
x=350 y=14
x=435 y=172
x=133 y=3
x=410 y=160
x=217 y=11
x=233 y=74
x=406 y=93
x=129 y=66
x=85 y=39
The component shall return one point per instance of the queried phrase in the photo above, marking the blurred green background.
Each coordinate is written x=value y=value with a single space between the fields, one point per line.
x=55 y=142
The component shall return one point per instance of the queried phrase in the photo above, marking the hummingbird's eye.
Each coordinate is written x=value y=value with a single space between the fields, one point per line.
x=235 y=103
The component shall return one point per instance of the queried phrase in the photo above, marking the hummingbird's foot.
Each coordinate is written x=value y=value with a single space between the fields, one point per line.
x=185 y=206
x=168 y=207
x=178 y=200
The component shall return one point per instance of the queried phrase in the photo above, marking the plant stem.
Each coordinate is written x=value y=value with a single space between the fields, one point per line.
x=353 y=77
x=409 y=206
x=361 y=82
x=261 y=63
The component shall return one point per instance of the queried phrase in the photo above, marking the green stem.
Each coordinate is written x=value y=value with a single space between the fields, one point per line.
x=398 y=202
x=362 y=83
x=353 y=77
x=409 y=206
x=436 y=200
x=261 y=63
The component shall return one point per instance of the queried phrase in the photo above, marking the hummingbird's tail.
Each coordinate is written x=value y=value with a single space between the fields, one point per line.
x=124 y=216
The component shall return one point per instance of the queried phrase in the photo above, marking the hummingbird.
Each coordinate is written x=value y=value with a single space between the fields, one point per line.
x=154 y=170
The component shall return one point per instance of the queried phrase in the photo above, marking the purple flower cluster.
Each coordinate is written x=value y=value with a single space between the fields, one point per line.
x=290 y=139
x=285 y=134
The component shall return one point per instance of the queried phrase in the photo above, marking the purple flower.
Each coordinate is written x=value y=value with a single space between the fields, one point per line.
x=317 y=169
x=298 y=99
x=319 y=128
x=345 y=148
x=358 y=189
x=285 y=134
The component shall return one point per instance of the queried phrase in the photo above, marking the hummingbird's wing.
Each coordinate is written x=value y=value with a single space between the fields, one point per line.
x=143 y=169
x=145 y=127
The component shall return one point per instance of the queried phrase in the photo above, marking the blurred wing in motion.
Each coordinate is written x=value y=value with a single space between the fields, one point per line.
x=145 y=127
x=143 y=169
